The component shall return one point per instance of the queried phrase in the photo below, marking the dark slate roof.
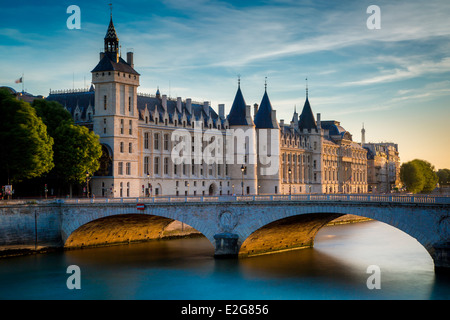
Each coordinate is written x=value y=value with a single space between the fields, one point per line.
x=307 y=120
x=108 y=63
x=83 y=100
x=111 y=32
x=73 y=99
x=237 y=117
x=263 y=118
x=370 y=154
x=155 y=104
x=333 y=127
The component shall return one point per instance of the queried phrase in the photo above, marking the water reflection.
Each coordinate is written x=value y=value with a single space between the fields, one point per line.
x=185 y=269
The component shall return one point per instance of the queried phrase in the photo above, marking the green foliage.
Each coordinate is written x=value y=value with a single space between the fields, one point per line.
x=25 y=147
x=77 y=151
x=418 y=176
x=52 y=114
x=443 y=176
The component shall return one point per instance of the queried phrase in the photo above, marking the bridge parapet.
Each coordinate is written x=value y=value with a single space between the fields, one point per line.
x=394 y=198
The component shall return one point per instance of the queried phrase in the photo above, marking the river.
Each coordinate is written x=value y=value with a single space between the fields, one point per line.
x=336 y=268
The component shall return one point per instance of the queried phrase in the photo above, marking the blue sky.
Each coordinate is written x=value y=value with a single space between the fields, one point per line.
x=395 y=80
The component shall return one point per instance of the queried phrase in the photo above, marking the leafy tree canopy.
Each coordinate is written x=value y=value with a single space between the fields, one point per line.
x=418 y=176
x=25 y=147
x=77 y=151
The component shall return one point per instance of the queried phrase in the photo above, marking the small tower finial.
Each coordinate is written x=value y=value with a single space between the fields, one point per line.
x=306 y=87
x=265 y=84
x=110 y=9
x=239 y=80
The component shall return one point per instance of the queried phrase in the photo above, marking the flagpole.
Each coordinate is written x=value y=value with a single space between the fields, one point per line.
x=22 y=84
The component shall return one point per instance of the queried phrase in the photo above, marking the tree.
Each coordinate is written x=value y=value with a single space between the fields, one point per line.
x=77 y=151
x=26 y=148
x=412 y=177
x=52 y=114
x=418 y=176
x=429 y=175
x=443 y=176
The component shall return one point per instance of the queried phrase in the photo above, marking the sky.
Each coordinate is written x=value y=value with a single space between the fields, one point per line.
x=395 y=80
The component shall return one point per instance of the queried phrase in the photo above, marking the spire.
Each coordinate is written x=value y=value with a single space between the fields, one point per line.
x=307 y=120
x=363 y=135
x=111 y=39
x=265 y=117
x=238 y=115
x=306 y=88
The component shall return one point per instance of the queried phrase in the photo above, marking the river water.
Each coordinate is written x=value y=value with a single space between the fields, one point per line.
x=336 y=268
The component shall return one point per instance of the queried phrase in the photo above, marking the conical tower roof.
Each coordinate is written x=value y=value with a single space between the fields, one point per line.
x=263 y=118
x=237 y=115
x=307 y=120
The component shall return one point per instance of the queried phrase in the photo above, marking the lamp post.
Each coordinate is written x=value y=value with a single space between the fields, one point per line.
x=87 y=184
x=290 y=180
x=148 y=184
x=242 y=170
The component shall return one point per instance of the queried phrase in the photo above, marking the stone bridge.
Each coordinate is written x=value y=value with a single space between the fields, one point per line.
x=236 y=226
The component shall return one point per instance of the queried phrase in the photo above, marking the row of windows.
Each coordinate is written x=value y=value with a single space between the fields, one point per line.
x=184 y=169
x=130 y=147
x=127 y=168
x=183 y=123
x=156 y=140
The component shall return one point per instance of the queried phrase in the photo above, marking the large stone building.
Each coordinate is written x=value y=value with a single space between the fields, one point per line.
x=252 y=154
x=383 y=167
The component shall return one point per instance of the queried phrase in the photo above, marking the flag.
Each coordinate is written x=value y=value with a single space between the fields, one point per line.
x=19 y=80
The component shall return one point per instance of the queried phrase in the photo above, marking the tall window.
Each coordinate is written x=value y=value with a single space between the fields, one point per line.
x=130 y=148
x=128 y=189
x=166 y=142
x=156 y=141
x=105 y=102
x=156 y=166
x=129 y=104
x=130 y=127
x=166 y=165
x=121 y=126
x=120 y=168
x=146 y=165
x=146 y=140
x=121 y=189
x=128 y=168
x=121 y=147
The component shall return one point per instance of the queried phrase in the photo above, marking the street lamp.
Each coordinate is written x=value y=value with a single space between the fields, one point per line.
x=290 y=180
x=242 y=170
x=87 y=184
x=148 y=184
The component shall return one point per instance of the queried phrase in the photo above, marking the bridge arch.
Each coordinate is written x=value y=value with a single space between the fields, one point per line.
x=86 y=228
x=291 y=226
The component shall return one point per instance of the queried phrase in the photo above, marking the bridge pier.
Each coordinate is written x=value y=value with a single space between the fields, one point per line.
x=441 y=258
x=226 y=245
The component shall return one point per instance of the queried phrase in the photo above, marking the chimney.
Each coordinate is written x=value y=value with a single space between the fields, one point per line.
x=130 y=59
x=221 y=111
x=255 y=110
x=164 y=101
x=318 y=121
x=189 y=105
x=274 y=118
x=179 y=105
x=206 y=108
x=248 y=114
